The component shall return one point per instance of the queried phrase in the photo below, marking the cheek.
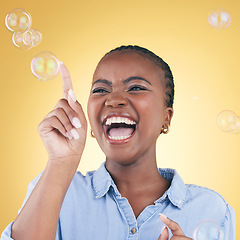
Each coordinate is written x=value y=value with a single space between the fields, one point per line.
x=92 y=112
x=94 y=109
x=151 y=113
x=151 y=107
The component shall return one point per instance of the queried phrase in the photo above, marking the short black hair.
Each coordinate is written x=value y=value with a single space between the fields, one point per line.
x=169 y=84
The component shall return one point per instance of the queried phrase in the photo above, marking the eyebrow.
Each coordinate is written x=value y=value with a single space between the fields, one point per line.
x=124 y=81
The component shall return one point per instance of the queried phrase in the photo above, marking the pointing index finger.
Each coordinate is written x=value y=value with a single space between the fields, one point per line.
x=67 y=82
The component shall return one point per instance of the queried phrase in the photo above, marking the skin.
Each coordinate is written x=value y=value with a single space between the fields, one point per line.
x=139 y=154
x=38 y=220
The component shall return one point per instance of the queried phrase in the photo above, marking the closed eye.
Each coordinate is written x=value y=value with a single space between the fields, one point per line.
x=137 y=88
x=99 y=90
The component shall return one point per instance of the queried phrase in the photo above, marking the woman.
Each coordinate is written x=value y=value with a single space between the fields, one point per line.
x=129 y=106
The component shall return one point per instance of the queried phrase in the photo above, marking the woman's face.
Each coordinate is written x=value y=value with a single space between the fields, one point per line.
x=126 y=106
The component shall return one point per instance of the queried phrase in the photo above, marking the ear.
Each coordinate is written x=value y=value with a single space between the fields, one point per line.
x=169 y=115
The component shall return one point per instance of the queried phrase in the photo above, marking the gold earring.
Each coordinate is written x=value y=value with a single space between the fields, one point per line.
x=92 y=134
x=166 y=129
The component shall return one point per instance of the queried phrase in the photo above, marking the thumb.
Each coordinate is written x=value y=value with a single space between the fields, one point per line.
x=164 y=233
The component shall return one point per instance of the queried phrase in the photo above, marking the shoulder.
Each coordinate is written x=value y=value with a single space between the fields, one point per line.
x=209 y=201
x=209 y=204
x=80 y=178
x=204 y=194
x=82 y=181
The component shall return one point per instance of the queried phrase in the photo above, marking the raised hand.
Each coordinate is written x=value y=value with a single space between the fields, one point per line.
x=63 y=130
x=175 y=229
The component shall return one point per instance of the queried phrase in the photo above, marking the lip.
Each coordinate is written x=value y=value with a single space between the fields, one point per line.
x=115 y=114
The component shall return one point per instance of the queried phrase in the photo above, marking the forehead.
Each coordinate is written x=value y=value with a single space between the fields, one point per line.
x=120 y=65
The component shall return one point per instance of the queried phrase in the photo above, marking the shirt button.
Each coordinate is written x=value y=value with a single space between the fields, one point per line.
x=133 y=230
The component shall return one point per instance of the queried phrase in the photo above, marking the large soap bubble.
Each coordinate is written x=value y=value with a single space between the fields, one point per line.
x=208 y=230
x=45 y=66
x=18 y=20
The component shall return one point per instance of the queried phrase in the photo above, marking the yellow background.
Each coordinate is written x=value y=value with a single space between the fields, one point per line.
x=204 y=61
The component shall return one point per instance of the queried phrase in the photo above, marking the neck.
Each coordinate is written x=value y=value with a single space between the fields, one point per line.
x=137 y=176
x=139 y=182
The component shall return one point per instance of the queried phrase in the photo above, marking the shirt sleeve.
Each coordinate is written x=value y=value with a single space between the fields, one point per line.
x=229 y=224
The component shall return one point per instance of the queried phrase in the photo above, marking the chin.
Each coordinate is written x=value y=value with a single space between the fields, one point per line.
x=121 y=158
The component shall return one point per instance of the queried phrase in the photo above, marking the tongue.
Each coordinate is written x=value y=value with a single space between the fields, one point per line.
x=119 y=132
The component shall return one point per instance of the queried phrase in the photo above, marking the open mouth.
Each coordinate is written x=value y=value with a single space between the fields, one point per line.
x=119 y=129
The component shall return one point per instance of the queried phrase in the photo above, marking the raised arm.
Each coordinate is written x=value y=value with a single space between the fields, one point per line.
x=63 y=132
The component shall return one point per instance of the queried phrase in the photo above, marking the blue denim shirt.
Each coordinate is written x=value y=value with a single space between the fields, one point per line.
x=94 y=209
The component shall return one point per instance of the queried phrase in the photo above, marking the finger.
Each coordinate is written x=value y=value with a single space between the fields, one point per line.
x=76 y=106
x=164 y=234
x=68 y=125
x=66 y=79
x=71 y=114
x=180 y=238
x=50 y=124
x=173 y=226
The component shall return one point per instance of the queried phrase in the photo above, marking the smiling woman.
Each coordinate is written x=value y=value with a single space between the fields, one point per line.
x=129 y=106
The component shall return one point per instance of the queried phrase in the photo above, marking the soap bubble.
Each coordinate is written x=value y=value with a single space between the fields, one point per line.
x=27 y=40
x=17 y=40
x=45 y=66
x=227 y=121
x=32 y=37
x=219 y=19
x=18 y=20
x=208 y=230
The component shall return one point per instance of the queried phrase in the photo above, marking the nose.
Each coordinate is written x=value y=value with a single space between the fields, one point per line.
x=116 y=100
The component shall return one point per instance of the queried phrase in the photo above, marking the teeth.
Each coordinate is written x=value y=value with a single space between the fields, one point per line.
x=119 y=138
x=119 y=120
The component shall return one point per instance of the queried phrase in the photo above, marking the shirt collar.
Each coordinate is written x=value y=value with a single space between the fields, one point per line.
x=177 y=193
x=102 y=181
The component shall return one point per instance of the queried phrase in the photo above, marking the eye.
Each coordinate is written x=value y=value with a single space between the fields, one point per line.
x=137 y=88
x=99 y=90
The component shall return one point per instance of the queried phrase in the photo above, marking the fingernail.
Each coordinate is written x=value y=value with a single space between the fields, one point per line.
x=164 y=216
x=163 y=228
x=72 y=95
x=76 y=122
x=69 y=136
x=75 y=134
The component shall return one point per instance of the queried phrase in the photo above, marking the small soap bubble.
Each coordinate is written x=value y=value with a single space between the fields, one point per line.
x=219 y=19
x=17 y=40
x=45 y=66
x=208 y=230
x=18 y=20
x=227 y=121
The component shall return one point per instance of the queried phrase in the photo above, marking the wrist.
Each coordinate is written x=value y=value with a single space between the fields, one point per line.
x=62 y=170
